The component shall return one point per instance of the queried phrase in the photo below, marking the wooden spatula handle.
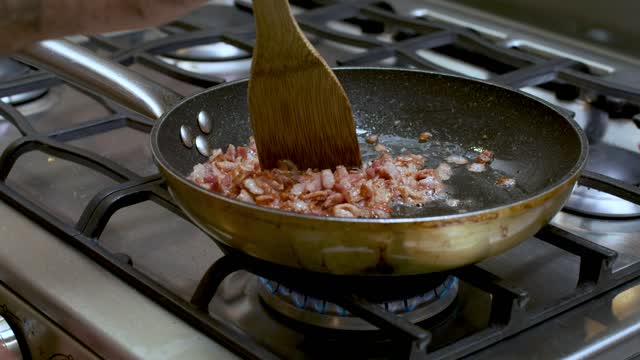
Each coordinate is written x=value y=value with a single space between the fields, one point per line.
x=274 y=20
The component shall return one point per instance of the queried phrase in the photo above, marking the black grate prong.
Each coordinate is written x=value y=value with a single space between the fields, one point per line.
x=212 y=279
x=508 y=301
x=611 y=186
x=394 y=325
x=596 y=261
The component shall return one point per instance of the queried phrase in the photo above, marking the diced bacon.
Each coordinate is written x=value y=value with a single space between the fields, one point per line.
x=314 y=184
x=300 y=206
x=265 y=199
x=214 y=154
x=456 y=159
x=381 y=213
x=370 y=172
x=226 y=165
x=231 y=153
x=424 y=136
x=245 y=196
x=485 y=157
x=341 y=173
x=381 y=148
x=252 y=187
x=333 y=199
x=367 y=190
x=242 y=152
x=370 y=191
x=297 y=189
x=372 y=139
x=477 y=167
x=444 y=171
x=423 y=174
x=453 y=202
x=328 y=181
x=316 y=195
x=345 y=210
x=388 y=171
x=505 y=181
x=199 y=171
x=410 y=159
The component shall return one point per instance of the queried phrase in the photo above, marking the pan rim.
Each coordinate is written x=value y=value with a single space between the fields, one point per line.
x=573 y=173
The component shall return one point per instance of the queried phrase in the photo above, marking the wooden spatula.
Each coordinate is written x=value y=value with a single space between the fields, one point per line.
x=299 y=111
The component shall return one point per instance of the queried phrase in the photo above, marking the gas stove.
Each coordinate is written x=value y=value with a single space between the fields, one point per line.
x=97 y=261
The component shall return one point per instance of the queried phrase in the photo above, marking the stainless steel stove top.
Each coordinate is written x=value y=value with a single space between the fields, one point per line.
x=114 y=320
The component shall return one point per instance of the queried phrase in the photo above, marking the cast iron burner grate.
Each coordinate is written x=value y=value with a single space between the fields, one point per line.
x=508 y=315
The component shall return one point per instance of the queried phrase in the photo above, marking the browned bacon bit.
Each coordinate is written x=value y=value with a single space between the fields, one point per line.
x=367 y=192
x=477 y=167
x=505 y=181
x=424 y=136
x=485 y=157
x=456 y=159
x=372 y=139
x=444 y=171
x=381 y=148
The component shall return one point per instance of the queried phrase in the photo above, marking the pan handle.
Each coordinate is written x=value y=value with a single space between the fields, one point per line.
x=101 y=76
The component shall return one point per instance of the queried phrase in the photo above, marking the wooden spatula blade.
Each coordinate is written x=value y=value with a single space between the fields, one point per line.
x=299 y=110
x=304 y=116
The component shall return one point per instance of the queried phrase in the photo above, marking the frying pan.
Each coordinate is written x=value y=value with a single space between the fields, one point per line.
x=535 y=144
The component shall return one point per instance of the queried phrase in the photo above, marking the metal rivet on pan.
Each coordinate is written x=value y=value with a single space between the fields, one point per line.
x=204 y=122
x=186 y=134
x=202 y=146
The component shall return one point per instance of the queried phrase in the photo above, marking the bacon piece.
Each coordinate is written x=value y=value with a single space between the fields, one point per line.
x=505 y=181
x=226 y=165
x=300 y=206
x=245 y=196
x=252 y=187
x=316 y=195
x=388 y=171
x=424 y=136
x=328 y=180
x=345 y=210
x=372 y=139
x=231 y=153
x=444 y=171
x=456 y=159
x=381 y=148
x=477 y=167
x=297 y=189
x=332 y=200
x=265 y=199
x=485 y=157
x=453 y=202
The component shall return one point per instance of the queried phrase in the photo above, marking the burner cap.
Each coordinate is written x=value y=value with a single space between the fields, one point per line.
x=617 y=163
x=316 y=312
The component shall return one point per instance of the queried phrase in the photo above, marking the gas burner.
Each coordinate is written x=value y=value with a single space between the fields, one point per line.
x=10 y=69
x=617 y=163
x=316 y=312
x=220 y=59
x=211 y=16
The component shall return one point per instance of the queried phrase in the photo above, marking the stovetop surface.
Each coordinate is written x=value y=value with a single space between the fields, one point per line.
x=608 y=25
x=172 y=252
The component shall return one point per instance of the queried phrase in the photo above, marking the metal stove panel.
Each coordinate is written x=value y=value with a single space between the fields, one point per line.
x=103 y=312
